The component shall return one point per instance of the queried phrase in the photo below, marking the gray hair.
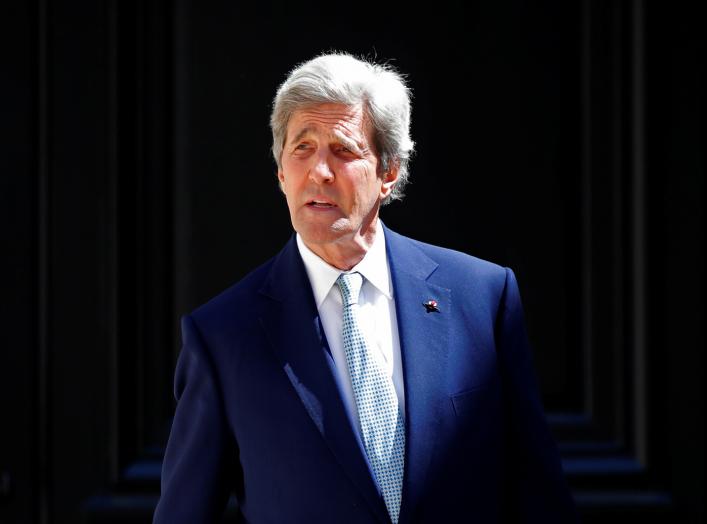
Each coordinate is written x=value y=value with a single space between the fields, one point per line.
x=340 y=78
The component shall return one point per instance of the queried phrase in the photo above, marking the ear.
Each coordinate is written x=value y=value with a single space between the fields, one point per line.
x=281 y=179
x=389 y=179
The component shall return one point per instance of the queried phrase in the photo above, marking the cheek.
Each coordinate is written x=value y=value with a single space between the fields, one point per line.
x=290 y=178
x=288 y=190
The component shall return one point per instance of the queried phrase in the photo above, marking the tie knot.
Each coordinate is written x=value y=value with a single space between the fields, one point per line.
x=350 y=287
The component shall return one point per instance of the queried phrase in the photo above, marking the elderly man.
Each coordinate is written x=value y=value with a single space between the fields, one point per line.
x=358 y=376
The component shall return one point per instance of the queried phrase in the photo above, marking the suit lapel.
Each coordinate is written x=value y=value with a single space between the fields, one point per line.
x=291 y=323
x=424 y=338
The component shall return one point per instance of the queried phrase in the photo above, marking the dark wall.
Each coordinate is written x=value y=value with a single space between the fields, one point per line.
x=561 y=139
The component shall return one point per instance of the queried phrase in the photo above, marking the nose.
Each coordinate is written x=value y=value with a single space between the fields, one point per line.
x=321 y=172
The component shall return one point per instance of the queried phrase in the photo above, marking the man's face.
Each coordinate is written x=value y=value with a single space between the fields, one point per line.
x=329 y=174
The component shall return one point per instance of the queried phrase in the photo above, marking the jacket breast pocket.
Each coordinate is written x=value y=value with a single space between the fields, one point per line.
x=475 y=405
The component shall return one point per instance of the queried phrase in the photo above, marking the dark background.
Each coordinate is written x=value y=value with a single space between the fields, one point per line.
x=563 y=139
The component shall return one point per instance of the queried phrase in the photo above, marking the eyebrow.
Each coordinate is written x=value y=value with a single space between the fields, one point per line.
x=301 y=134
x=348 y=142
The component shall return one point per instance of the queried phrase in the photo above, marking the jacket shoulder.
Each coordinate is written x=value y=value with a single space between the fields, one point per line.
x=452 y=261
x=476 y=283
x=461 y=259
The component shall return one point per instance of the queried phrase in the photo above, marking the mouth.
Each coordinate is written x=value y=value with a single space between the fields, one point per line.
x=320 y=204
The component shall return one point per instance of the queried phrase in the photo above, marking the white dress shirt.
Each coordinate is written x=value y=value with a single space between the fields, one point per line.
x=376 y=315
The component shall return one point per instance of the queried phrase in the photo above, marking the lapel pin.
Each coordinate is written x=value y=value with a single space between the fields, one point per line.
x=431 y=306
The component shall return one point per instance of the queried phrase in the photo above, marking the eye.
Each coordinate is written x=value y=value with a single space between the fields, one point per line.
x=302 y=147
x=343 y=149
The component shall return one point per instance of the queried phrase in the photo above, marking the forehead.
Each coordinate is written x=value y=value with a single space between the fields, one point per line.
x=329 y=119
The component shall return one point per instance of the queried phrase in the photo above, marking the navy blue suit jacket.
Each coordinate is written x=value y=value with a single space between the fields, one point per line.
x=259 y=411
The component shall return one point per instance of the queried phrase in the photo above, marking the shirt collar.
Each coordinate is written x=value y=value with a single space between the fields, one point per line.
x=373 y=267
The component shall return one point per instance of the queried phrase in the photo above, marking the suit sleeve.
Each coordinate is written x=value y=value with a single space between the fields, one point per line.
x=200 y=467
x=537 y=490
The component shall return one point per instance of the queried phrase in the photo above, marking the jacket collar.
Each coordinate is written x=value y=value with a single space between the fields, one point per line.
x=424 y=342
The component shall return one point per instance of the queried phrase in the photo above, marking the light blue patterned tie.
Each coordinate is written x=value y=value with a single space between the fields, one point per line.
x=382 y=428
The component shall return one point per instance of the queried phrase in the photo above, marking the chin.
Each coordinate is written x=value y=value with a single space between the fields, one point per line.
x=324 y=234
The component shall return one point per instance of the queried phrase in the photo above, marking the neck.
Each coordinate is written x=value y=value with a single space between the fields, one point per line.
x=347 y=252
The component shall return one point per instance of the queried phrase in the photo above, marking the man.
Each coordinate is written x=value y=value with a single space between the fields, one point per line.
x=358 y=376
